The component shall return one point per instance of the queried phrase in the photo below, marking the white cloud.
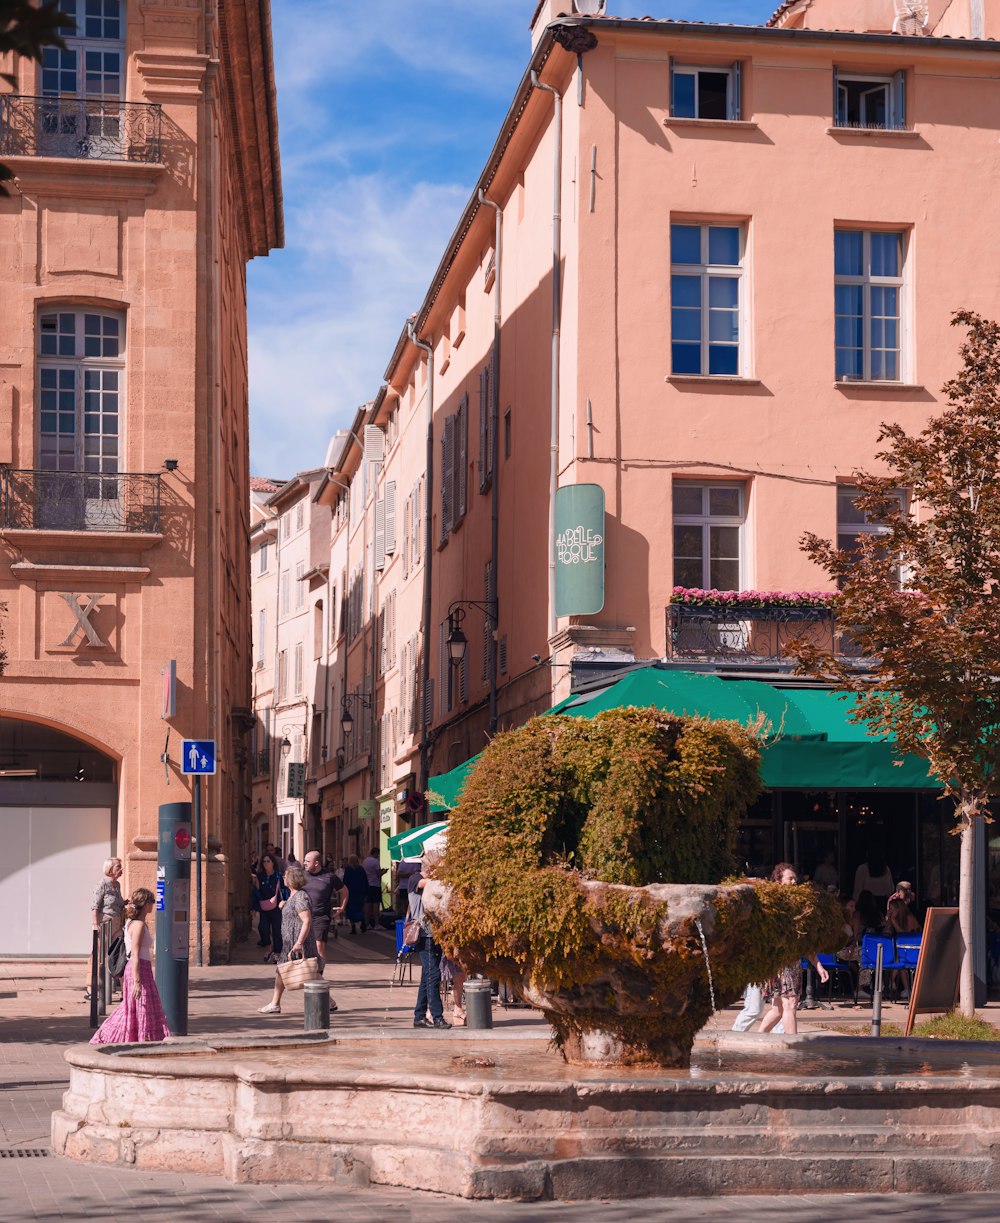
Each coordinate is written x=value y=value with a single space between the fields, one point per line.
x=364 y=260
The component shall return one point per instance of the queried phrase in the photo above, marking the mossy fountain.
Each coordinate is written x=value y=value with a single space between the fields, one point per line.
x=576 y=868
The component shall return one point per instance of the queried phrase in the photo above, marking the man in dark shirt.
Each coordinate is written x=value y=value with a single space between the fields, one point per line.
x=327 y=895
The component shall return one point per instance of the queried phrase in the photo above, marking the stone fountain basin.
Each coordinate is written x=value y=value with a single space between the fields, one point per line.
x=807 y=1113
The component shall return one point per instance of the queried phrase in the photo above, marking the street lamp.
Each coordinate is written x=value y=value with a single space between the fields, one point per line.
x=346 y=717
x=286 y=746
x=457 y=641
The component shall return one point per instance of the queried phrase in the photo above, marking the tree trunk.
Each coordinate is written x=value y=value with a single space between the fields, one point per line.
x=969 y=816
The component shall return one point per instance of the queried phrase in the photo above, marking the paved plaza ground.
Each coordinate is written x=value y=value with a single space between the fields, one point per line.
x=42 y=1012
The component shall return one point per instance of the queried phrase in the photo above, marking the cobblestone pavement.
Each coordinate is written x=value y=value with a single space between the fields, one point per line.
x=42 y=1012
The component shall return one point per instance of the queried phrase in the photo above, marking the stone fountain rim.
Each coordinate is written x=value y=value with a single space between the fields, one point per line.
x=616 y=1081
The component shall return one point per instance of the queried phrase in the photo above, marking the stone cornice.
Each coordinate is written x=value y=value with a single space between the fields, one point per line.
x=170 y=76
x=28 y=571
x=250 y=101
x=90 y=543
x=84 y=179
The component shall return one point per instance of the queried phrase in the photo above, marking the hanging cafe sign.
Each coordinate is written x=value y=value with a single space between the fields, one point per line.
x=579 y=550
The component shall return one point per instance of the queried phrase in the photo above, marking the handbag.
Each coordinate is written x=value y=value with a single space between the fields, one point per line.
x=412 y=930
x=118 y=956
x=296 y=971
x=271 y=903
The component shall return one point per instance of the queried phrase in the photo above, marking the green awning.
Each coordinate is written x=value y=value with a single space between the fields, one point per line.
x=818 y=747
x=410 y=844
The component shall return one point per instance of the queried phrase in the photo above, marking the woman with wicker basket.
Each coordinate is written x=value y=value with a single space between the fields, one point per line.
x=297 y=939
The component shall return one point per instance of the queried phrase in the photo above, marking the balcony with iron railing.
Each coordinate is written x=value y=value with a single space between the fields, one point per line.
x=727 y=627
x=92 y=129
x=37 y=500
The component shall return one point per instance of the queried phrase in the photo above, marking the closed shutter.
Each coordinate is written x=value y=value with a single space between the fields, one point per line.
x=445 y=687
x=463 y=680
x=898 y=118
x=421 y=526
x=484 y=428
x=448 y=478
x=407 y=508
x=487 y=625
x=502 y=655
x=403 y=677
x=428 y=702
x=390 y=517
x=494 y=388
x=462 y=459
x=380 y=533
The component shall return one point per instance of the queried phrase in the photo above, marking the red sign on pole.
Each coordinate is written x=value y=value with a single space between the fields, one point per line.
x=182 y=838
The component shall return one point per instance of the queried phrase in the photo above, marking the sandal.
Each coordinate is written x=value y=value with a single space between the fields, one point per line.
x=272 y=1008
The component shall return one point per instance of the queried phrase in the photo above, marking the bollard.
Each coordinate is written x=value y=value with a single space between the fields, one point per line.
x=478 y=999
x=877 y=994
x=316 y=1005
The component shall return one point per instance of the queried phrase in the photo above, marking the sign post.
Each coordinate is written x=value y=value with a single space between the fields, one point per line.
x=198 y=760
x=173 y=869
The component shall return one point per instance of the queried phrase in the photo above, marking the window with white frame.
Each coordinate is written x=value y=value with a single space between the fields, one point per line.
x=85 y=79
x=706 y=271
x=300 y=586
x=284 y=592
x=262 y=558
x=298 y=669
x=261 y=627
x=701 y=92
x=866 y=101
x=868 y=293
x=708 y=534
x=853 y=522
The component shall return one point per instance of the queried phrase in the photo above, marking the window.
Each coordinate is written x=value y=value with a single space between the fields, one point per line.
x=282 y=674
x=261 y=626
x=869 y=101
x=506 y=434
x=262 y=555
x=704 y=93
x=708 y=522
x=705 y=283
x=299 y=516
x=868 y=280
x=80 y=385
x=284 y=593
x=454 y=468
x=487 y=381
x=298 y=669
x=85 y=82
x=300 y=586
x=853 y=522
x=318 y=629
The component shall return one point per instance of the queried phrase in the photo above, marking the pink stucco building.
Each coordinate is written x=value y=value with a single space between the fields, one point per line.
x=702 y=264
x=146 y=176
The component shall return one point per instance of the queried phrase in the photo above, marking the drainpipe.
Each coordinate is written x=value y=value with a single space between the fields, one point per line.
x=556 y=315
x=425 y=662
x=492 y=601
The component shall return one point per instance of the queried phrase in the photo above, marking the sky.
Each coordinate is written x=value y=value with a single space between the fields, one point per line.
x=387 y=111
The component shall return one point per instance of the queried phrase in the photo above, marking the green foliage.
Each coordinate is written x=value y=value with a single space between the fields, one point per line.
x=954 y=1026
x=630 y=797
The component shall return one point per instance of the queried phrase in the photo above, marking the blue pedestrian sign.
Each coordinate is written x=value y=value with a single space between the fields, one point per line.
x=198 y=756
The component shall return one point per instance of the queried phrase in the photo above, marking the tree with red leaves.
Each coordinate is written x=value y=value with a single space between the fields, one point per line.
x=922 y=598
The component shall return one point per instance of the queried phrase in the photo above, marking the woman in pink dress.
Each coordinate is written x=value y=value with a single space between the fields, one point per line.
x=139 y=1016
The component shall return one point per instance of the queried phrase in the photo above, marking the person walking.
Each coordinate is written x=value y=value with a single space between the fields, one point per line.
x=374 y=870
x=139 y=1016
x=268 y=894
x=296 y=933
x=429 y=989
x=753 y=1009
x=356 y=882
x=327 y=895
x=107 y=905
x=782 y=991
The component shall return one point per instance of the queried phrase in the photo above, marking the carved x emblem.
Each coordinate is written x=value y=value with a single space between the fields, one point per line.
x=82 y=614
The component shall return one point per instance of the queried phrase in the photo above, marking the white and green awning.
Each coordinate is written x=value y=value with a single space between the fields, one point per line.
x=411 y=844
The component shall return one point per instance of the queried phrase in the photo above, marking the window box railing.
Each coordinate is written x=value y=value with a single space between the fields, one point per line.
x=753 y=633
x=35 y=500
x=92 y=129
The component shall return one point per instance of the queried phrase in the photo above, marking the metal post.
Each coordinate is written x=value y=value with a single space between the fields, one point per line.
x=315 y=1005
x=877 y=994
x=478 y=998
x=173 y=924
x=809 y=1002
x=94 y=951
x=197 y=871
x=107 y=981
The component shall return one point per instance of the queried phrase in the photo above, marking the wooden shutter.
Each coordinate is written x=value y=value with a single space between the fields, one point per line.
x=380 y=533
x=487 y=625
x=491 y=425
x=836 y=99
x=484 y=426
x=448 y=478
x=442 y=669
x=898 y=118
x=462 y=459
x=390 y=517
x=673 y=105
x=407 y=507
x=429 y=701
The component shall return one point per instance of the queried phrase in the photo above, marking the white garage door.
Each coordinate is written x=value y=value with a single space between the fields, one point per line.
x=49 y=869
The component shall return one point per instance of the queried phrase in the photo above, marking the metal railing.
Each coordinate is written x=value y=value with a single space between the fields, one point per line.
x=101 y=983
x=98 y=129
x=38 y=500
x=747 y=634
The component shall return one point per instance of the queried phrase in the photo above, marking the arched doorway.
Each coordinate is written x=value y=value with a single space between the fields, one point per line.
x=58 y=817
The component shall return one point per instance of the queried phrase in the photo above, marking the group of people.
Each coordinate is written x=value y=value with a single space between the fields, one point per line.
x=886 y=910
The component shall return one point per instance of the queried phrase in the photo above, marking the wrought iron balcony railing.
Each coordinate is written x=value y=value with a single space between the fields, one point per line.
x=79 y=501
x=752 y=635
x=97 y=129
